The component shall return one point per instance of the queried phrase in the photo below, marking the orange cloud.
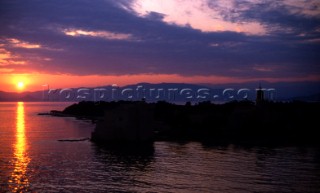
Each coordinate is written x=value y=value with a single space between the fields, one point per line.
x=23 y=44
x=99 y=34
x=6 y=70
x=7 y=58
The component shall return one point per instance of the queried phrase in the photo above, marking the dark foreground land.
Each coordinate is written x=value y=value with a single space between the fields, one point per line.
x=241 y=122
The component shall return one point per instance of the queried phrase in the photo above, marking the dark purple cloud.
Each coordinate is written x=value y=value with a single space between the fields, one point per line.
x=289 y=49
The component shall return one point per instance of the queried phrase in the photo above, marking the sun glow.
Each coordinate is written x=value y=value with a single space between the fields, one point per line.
x=20 y=82
x=20 y=85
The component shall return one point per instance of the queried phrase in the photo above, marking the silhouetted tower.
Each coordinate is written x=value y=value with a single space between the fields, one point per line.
x=260 y=95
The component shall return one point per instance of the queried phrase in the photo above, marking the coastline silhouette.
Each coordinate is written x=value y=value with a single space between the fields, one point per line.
x=244 y=122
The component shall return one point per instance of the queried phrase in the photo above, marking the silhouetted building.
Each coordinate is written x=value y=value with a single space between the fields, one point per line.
x=126 y=123
x=260 y=95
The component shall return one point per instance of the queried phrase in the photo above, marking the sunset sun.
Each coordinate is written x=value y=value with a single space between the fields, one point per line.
x=20 y=85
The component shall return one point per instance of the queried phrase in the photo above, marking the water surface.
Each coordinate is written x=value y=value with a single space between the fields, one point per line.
x=33 y=160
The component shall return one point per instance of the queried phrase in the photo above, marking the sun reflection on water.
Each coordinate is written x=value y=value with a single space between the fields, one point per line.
x=19 y=181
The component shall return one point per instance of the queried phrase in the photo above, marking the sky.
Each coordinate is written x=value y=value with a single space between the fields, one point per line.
x=101 y=42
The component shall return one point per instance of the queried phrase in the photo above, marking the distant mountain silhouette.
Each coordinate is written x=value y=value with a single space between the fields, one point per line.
x=173 y=92
x=310 y=98
x=25 y=96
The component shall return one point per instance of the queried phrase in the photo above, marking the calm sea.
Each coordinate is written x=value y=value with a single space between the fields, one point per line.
x=33 y=160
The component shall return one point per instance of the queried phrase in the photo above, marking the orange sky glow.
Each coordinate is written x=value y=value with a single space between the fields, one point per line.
x=36 y=82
